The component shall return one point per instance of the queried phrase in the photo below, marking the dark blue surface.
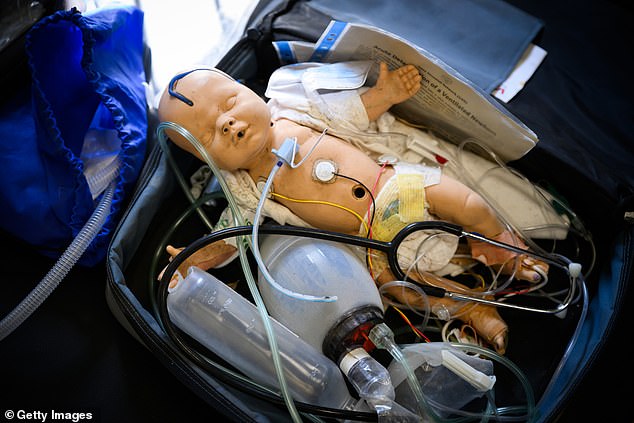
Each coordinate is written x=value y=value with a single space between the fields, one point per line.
x=481 y=39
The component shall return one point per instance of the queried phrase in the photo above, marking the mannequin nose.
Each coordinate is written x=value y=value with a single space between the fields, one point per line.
x=234 y=128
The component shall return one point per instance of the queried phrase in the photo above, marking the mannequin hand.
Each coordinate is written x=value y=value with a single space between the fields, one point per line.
x=483 y=318
x=392 y=87
x=398 y=85
x=206 y=258
x=524 y=266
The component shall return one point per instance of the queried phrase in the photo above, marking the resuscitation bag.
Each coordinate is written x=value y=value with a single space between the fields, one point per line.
x=86 y=101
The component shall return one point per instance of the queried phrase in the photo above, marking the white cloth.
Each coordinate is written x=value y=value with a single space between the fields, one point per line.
x=318 y=95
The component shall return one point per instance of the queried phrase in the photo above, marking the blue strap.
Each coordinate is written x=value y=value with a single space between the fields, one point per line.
x=285 y=52
x=325 y=45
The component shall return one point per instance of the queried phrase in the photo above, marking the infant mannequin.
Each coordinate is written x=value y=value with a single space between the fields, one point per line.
x=235 y=127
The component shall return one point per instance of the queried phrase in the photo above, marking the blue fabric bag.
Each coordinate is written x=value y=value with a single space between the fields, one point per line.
x=87 y=74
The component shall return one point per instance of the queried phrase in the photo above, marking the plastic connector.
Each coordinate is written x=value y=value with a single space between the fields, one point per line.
x=475 y=378
x=382 y=336
x=369 y=378
x=441 y=311
x=574 y=269
x=287 y=151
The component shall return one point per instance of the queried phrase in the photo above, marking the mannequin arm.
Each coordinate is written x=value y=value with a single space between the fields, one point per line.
x=392 y=87
x=206 y=258
x=484 y=319
x=452 y=201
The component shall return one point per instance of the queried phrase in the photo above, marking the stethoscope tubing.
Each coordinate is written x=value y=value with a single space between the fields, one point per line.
x=390 y=248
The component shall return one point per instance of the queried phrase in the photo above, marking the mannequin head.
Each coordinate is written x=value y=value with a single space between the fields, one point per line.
x=231 y=122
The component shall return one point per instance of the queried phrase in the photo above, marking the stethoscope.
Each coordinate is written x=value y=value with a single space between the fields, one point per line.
x=390 y=248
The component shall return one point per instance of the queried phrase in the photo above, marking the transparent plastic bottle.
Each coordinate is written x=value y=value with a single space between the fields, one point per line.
x=231 y=326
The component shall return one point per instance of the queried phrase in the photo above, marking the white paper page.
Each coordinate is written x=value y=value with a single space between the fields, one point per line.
x=446 y=102
x=523 y=71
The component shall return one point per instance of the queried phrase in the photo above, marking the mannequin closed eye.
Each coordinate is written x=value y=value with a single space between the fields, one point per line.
x=231 y=101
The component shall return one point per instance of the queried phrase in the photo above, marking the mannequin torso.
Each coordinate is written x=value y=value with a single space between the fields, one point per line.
x=301 y=183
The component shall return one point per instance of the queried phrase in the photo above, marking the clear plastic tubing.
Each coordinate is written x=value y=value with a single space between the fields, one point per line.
x=239 y=220
x=256 y=247
x=61 y=268
x=229 y=325
x=382 y=337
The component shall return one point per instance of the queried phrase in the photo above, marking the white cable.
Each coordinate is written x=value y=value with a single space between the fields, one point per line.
x=293 y=165
x=255 y=247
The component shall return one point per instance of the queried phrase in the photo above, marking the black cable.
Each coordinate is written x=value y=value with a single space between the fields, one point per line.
x=388 y=247
x=371 y=221
x=239 y=383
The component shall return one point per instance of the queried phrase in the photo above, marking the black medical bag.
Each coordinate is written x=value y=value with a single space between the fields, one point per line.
x=597 y=185
x=585 y=155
